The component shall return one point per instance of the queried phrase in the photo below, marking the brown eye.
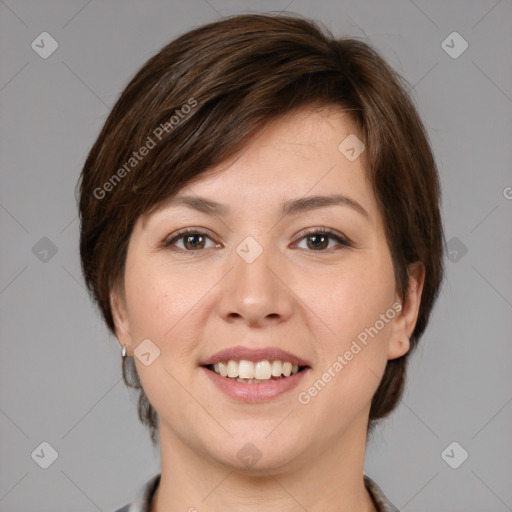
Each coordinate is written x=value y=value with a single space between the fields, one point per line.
x=318 y=240
x=192 y=240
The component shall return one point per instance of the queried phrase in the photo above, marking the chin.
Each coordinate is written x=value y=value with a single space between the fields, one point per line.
x=260 y=454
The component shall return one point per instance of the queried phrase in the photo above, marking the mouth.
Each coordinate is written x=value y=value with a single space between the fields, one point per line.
x=249 y=372
x=255 y=375
x=254 y=366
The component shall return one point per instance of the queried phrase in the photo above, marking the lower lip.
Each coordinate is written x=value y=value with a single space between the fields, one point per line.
x=257 y=392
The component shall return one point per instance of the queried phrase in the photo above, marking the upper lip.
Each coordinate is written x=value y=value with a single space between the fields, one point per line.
x=254 y=354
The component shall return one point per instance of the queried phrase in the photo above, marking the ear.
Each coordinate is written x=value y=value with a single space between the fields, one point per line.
x=120 y=316
x=405 y=320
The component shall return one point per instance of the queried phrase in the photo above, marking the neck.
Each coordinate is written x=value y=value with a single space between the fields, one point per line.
x=193 y=481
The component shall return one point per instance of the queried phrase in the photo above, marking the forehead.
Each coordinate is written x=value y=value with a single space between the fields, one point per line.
x=294 y=156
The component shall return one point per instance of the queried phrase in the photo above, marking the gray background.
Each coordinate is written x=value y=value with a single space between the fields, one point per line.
x=60 y=378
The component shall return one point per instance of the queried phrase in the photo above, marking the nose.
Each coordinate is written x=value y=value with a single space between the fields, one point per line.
x=255 y=293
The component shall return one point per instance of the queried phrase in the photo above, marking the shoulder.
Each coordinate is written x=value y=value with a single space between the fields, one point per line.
x=143 y=497
x=381 y=502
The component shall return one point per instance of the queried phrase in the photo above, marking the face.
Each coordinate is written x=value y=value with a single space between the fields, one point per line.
x=266 y=268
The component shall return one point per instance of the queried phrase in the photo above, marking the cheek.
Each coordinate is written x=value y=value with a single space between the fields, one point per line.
x=164 y=306
x=156 y=299
x=364 y=326
x=147 y=300
x=160 y=308
x=353 y=352
x=363 y=290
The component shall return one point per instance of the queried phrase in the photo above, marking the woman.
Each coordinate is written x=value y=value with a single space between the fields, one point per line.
x=260 y=229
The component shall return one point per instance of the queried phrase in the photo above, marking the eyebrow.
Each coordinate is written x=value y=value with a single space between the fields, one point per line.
x=291 y=207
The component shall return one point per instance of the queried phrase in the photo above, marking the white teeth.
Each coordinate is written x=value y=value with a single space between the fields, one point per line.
x=232 y=369
x=277 y=368
x=222 y=370
x=251 y=381
x=248 y=371
x=262 y=370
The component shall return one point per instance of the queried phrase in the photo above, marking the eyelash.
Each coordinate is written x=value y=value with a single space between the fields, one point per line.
x=343 y=241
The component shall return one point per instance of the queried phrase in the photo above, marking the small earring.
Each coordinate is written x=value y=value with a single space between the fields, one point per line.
x=123 y=351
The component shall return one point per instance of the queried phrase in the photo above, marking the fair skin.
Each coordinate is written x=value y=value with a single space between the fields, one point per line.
x=203 y=296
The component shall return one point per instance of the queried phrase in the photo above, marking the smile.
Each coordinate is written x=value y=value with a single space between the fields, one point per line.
x=255 y=372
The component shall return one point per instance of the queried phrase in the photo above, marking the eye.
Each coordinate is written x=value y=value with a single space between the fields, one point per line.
x=193 y=240
x=318 y=239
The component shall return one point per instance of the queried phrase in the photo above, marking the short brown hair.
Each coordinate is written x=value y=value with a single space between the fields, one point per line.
x=202 y=97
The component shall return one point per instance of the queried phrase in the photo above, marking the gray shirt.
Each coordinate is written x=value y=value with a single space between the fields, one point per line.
x=143 y=498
